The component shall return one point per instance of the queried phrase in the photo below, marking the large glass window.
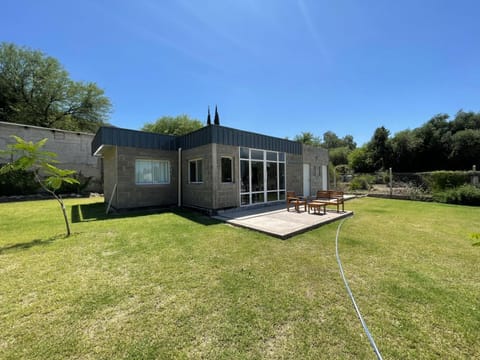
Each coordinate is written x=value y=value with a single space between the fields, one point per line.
x=152 y=172
x=195 y=171
x=262 y=175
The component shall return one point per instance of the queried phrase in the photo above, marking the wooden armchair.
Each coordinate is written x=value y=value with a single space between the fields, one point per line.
x=296 y=201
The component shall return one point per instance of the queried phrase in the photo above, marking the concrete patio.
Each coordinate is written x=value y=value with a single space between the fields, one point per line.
x=276 y=221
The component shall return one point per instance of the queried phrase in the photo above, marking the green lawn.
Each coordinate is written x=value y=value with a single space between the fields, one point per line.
x=179 y=285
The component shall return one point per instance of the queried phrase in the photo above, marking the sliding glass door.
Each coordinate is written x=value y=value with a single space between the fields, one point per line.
x=262 y=176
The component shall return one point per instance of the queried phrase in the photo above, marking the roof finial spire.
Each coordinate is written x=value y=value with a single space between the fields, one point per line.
x=216 y=120
x=209 y=119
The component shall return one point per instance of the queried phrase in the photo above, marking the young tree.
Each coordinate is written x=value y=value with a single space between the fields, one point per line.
x=36 y=90
x=30 y=156
x=169 y=125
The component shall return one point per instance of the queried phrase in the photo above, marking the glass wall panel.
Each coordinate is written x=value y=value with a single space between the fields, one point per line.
x=271 y=156
x=281 y=179
x=258 y=198
x=257 y=176
x=245 y=176
x=257 y=154
x=272 y=181
x=244 y=153
x=272 y=196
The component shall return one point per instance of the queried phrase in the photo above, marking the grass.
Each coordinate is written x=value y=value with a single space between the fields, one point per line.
x=180 y=285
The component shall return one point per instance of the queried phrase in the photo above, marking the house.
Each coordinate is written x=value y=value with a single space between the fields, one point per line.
x=212 y=168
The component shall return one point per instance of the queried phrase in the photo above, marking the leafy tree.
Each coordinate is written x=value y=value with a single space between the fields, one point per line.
x=360 y=160
x=169 y=125
x=307 y=138
x=464 y=121
x=380 y=149
x=36 y=90
x=339 y=155
x=465 y=148
x=331 y=140
x=404 y=151
x=349 y=142
x=30 y=156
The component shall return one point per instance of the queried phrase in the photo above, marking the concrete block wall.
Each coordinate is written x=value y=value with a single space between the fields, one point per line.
x=110 y=174
x=73 y=148
x=318 y=160
x=294 y=171
x=131 y=195
x=198 y=194
x=225 y=195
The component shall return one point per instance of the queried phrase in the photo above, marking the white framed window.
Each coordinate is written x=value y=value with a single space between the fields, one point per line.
x=195 y=171
x=227 y=169
x=152 y=172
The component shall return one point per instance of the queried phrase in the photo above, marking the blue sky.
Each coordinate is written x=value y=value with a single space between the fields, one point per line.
x=278 y=67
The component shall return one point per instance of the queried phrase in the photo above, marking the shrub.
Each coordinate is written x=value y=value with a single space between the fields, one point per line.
x=362 y=182
x=18 y=182
x=83 y=182
x=463 y=195
x=415 y=192
x=442 y=180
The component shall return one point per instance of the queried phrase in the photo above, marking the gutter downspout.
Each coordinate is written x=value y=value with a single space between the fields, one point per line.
x=179 y=202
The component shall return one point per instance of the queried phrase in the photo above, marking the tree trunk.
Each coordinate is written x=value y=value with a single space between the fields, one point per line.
x=64 y=212
x=59 y=199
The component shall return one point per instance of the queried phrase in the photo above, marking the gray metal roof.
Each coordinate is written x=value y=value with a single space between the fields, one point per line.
x=132 y=138
x=206 y=135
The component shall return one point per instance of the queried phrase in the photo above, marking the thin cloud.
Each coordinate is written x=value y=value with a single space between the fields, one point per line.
x=312 y=28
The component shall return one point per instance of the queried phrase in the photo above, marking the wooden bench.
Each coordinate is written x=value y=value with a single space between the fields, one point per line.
x=331 y=197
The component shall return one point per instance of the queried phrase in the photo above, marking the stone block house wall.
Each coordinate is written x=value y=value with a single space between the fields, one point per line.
x=120 y=170
x=197 y=194
x=211 y=193
x=73 y=149
x=295 y=173
x=226 y=194
x=318 y=165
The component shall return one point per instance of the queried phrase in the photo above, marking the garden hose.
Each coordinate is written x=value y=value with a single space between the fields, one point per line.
x=357 y=310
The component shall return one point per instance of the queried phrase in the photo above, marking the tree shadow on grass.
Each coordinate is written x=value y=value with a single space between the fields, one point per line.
x=96 y=212
x=28 y=245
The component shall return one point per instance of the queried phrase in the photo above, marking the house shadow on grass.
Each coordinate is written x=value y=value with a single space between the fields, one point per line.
x=96 y=212
x=28 y=245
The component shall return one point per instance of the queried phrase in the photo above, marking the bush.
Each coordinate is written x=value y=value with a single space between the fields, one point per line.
x=442 y=180
x=462 y=195
x=362 y=182
x=18 y=182
x=83 y=182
